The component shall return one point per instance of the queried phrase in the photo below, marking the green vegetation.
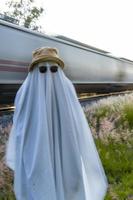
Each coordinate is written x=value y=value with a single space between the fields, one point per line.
x=111 y=122
x=26 y=12
x=117 y=159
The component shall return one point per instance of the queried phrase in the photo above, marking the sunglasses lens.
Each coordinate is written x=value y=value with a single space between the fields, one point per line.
x=43 y=69
x=54 y=69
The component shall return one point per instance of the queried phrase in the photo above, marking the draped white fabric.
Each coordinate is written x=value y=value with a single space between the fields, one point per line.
x=51 y=148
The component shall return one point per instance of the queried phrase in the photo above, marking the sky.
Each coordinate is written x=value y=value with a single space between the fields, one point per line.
x=105 y=24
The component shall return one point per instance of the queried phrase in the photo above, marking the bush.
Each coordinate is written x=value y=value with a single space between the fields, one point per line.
x=111 y=122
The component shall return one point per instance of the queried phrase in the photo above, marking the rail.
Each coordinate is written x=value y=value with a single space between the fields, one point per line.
x=90 y=99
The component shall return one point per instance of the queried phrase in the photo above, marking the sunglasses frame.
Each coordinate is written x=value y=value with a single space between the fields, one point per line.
x=55 y=68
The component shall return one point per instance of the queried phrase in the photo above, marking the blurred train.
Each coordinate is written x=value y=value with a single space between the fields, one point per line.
x=89 y=68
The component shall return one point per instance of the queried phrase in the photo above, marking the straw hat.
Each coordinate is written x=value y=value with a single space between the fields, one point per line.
x=45 y=54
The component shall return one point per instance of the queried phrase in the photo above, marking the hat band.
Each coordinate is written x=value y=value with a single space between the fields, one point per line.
x=46 y=58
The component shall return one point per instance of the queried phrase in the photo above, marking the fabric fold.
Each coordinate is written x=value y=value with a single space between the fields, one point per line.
x=54 y=156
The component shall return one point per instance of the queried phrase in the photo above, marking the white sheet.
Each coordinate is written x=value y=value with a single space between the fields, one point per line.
x=51 y=148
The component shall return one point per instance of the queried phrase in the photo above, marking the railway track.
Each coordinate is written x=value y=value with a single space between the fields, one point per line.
x=5 y=109
x=8 y=91
x=90 y=99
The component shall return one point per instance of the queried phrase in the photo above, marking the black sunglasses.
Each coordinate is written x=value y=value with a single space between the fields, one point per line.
x=53 y=69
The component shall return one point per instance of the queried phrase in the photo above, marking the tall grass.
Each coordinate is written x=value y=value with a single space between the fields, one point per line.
x=111 y=122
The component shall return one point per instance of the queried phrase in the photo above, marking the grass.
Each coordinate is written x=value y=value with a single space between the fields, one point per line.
x=117 y=159
x=111 y=122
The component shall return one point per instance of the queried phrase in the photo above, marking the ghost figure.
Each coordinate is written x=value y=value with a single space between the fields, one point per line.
x=50 y=147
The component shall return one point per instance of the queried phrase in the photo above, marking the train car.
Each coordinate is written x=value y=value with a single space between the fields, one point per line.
x=90 y=69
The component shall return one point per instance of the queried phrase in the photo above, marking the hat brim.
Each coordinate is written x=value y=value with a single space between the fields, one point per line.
x=48 y=58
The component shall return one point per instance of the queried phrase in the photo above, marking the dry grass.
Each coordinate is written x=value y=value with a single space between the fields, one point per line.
x=111 y=122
